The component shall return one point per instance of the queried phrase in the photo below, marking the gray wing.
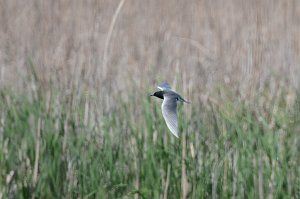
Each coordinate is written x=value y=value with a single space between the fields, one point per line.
x=164 y=86
x=169 y=112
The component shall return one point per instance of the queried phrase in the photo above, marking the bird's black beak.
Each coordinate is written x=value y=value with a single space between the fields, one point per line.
x=151 y=95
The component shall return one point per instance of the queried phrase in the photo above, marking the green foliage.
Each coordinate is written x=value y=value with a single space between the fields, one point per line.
x=232 y=149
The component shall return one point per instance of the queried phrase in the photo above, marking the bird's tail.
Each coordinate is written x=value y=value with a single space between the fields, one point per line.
x=183 y=100
x=187 y=102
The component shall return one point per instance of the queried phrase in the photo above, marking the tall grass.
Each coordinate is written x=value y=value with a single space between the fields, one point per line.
x=76 y=120
x=232 y=149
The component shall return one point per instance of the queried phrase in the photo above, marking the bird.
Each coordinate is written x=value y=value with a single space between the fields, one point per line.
x=169 y=105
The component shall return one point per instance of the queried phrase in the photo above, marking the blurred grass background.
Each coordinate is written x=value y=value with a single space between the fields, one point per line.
x=76 y=120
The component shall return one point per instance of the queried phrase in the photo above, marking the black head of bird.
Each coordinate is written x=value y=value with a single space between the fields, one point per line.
x=159 y=94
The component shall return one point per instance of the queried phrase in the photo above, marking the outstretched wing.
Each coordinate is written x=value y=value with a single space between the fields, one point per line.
x=164 y=86
x=169 y=112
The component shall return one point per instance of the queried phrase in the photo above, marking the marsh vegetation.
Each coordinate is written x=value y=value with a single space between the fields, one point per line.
x=76 y=120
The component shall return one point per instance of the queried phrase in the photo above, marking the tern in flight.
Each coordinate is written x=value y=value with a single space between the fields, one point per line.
x=169 y=105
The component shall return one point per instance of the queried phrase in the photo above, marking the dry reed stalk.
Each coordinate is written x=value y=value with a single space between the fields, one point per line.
x=214 y=178
x=136 y=168
x=66 y=133
x=226 y=159
x=109 y=34
x=167 y=182
x=260 y=175
x=184 y=181
x=137 y=179
x=37 y=153
x=272 y=182
x=235 y=174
